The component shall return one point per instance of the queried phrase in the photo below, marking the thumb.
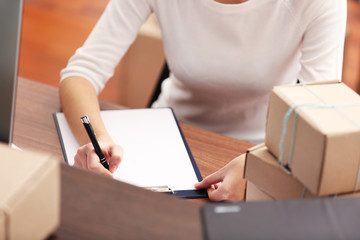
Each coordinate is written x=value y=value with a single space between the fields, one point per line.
x=210 y=180
x=115 y=154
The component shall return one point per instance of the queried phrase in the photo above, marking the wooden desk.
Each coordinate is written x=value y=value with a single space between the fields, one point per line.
x=95 y=207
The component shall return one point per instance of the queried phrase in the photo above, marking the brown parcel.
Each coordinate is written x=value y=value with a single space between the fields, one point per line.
x=266 y=180
x=326 y=154
x=263 y=170
x=29 y=194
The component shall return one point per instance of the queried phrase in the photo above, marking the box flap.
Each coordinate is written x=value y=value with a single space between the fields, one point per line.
x=323 y=82
x=254 y=148
x=261 y=152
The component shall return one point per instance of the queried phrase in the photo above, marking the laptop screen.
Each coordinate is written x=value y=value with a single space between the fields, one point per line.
x=10 y=31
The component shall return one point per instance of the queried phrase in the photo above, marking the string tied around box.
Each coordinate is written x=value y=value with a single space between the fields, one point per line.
x=293 y=109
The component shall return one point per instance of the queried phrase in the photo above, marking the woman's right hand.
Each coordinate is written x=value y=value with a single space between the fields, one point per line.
x=86 y=158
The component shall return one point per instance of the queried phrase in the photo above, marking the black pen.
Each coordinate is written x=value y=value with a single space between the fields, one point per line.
x=90 y=131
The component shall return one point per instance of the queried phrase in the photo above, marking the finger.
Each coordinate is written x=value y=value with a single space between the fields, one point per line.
x=84 y=152
x=227 y=191
x=210 y=180
x=217 y=185
x=222 y=193
x=77 y=161
x=113 y=165
x=80 y=158
x=216 y=194
x=93 y=164
x=116 y=153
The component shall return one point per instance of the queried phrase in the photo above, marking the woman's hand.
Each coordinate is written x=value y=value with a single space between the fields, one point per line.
x=226 y=184
x=87 y=158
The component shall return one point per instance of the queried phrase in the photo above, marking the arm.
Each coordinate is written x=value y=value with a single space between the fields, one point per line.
x=323 y=42
x=78 y=97
x=93 y=64
x=88 y=71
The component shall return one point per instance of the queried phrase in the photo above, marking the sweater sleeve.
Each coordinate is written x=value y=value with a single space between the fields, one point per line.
x=111 y=37
x=323 y=42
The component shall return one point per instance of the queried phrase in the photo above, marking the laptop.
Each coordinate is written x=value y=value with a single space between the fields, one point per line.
x=10 y=31
x=323 y=218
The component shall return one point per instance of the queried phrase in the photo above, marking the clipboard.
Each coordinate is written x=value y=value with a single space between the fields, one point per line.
x=156 y=154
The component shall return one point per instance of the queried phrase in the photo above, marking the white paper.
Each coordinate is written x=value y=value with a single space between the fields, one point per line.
x=154 y=151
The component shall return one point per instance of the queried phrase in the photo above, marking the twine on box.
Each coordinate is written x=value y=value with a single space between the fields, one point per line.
x=303 y=193
x=292 y=109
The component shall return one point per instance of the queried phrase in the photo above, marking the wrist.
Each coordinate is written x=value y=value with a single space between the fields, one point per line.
x=105 y=138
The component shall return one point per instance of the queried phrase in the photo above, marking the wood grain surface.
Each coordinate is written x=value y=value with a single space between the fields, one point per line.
x=97 y=207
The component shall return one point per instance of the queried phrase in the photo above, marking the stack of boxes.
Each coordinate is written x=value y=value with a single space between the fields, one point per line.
x=312 y=145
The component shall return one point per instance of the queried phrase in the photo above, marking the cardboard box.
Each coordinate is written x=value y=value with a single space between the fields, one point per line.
x=263 y=170
x=324 y=141
x=267 y=181
x=29 y=194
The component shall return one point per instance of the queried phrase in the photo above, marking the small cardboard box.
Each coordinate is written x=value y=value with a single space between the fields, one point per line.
x=320 y=144
x=263 y=170
x=29 y=194
x=266 y=180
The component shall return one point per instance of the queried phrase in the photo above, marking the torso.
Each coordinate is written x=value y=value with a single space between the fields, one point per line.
x=225 y=56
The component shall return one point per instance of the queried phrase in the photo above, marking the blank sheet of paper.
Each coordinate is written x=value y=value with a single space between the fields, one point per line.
x=155 y=153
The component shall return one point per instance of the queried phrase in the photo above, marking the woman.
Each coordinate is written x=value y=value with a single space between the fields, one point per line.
x=224 y=56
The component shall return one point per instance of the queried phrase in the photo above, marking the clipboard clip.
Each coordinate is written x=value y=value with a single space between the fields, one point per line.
x=161 y=189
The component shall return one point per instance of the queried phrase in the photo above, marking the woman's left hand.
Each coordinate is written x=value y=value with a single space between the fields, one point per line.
x=226 y=184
